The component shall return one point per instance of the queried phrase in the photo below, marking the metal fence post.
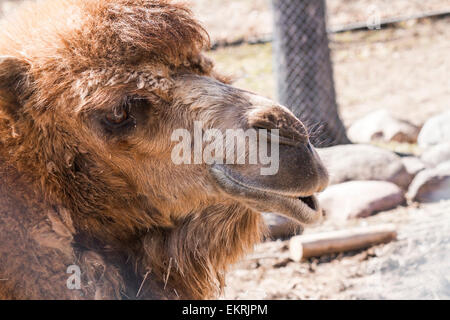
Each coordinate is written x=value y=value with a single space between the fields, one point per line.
x=303 y=67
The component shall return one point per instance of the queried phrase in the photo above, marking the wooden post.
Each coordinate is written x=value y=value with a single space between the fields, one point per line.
x=315 y=245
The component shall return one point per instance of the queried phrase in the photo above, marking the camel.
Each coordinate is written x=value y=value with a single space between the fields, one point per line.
x=91 y=204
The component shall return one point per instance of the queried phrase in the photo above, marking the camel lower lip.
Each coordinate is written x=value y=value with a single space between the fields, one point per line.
x=304 y=209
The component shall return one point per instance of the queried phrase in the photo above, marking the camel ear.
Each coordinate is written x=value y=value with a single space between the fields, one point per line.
x=13 y=83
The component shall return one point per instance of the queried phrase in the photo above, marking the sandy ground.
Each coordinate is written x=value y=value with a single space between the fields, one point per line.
x=416 y=266
x=405 y=70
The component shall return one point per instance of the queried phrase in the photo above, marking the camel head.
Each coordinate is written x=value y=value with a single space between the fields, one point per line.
x=111 y=109
x=130 y=100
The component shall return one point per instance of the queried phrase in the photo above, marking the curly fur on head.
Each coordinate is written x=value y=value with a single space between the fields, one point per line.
x=106 y=32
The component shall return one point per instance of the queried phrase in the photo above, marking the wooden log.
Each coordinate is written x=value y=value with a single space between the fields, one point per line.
x=316 y=245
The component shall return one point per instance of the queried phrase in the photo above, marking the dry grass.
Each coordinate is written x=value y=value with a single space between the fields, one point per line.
x=250 y=66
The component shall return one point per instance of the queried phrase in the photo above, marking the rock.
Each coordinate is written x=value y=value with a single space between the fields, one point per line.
x=436 y=154
x=413 y=165
x=281 y=227
x=380 y=125
x=431 y=185
x=364 y=162
x=357 y=199
x=435 y=130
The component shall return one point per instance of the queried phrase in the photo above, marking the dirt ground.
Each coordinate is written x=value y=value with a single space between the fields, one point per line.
x=416 y=266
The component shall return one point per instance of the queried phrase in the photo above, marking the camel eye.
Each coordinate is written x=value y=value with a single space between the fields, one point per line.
x=117 y=117
x=123 y=115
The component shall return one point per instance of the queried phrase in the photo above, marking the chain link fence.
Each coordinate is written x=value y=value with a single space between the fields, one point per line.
x=303 y=68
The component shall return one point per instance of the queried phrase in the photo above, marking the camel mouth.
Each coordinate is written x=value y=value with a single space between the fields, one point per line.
x=310 y=201
x=303 y=208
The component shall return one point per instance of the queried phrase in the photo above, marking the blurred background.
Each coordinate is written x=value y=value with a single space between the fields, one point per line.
x=372 y=72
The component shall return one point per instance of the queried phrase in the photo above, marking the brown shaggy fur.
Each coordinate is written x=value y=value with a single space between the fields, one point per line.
x=73 y=194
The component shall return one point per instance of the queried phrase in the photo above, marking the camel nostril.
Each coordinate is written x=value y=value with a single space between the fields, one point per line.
x=285 y=136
